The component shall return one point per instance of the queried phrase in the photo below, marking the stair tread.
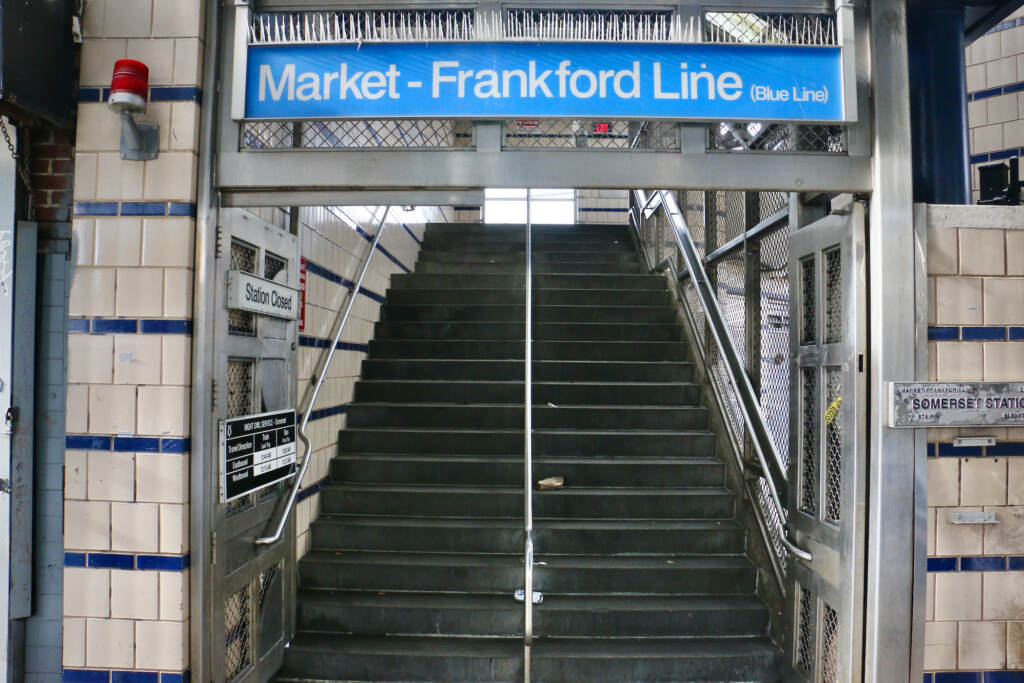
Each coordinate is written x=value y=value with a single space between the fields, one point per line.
x=610 y=648
x=552 y=602
x=433 y=646
x=518 y=490
x=539 y=522
x=551 y=561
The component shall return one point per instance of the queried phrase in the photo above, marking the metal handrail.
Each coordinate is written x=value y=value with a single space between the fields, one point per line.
x=528 y=451
x=750 y=408
x=321 y=374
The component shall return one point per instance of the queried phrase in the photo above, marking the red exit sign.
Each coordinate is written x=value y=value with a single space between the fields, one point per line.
x=603 y=127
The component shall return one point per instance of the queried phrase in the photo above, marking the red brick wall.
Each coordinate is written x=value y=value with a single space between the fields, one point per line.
x=51 y=151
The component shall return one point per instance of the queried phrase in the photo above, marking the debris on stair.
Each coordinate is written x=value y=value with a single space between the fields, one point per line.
x=550 y=483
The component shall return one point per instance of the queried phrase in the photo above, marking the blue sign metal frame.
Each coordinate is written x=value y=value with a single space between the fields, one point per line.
x=701 y=82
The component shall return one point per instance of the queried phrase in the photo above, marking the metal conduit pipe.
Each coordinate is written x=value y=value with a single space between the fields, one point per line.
x=307 y=410
x=202 y=469
x=750 y=408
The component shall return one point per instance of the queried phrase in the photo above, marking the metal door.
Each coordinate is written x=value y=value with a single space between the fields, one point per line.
x=252 y=587
x=827 y=443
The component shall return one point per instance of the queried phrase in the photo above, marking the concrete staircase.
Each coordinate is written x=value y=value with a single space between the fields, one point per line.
x=419 y=546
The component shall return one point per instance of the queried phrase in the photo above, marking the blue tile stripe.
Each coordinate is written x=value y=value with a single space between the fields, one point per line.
x=126 y=444
x=1000 y=676
x=318 y=343
x=948 y=450
x=135 y=209
x=121 y=676
x=975 y=333
x=159 y=93
x=321 y=413
x=976 y=563
x=466 y=208
x=311 y=489
x=412 y=234
x=380 y=247
x=127 y=561
x=129 y=326
x=995 y=92
x=596 y=209
x=313 y=268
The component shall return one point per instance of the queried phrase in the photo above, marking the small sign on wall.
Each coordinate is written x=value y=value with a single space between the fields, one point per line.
x=302 y=294
x=956 y=404
x=255 y=452
x=247 y=292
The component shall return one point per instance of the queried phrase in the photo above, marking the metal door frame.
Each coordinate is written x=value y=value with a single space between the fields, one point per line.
x=835 y=577
x=238 y=564
x=878 y=163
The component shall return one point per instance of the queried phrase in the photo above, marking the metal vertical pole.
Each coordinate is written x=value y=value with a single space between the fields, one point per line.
x=752 y=301
x=710 y=244
x=896 y=465
x=202 y=469
x=8 y=181
x=528 y=450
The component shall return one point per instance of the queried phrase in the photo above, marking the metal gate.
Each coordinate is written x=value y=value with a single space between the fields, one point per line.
x=252 y=587
x=828 y=447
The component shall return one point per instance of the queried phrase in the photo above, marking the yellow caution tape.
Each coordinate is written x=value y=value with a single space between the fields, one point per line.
x=833 y=410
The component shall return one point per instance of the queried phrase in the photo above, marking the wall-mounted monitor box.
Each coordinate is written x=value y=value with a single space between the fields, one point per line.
x=37 y=60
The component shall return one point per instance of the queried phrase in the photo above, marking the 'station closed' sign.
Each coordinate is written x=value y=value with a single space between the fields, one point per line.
x=247 y=292
x=521 y=80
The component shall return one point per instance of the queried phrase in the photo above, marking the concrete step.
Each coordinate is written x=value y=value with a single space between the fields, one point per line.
x=374 y=468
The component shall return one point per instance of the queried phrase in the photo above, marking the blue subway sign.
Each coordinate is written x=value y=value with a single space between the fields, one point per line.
x=544 y=80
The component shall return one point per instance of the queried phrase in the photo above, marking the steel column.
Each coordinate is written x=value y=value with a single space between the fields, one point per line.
x=938 y=103
x=896 y=474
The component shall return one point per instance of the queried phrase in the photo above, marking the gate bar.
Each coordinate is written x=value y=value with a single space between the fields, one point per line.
x=321 y=373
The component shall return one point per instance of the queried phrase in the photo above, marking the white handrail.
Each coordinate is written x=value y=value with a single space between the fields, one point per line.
x=321 y=373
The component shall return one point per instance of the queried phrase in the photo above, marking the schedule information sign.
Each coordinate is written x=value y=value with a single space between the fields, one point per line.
x=256 y=451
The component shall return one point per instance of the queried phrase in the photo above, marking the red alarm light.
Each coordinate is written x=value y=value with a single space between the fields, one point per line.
x=129 y=87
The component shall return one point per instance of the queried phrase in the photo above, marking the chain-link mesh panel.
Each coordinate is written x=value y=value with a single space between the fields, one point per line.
x=833 y=296
x=692 y=301
x=693 y=213
x=774 y=522
x=829 y=645
x=243 y=257
x=268 y=135
x=359 y=134
x=809 y=440
x=806 y=631
x=755 y=136
x=771 y=203
x=237 y=634
x=240 y=393
x=729 y=274
x=273 y=264
x=239 y=388
x=809 y=307
x=570 y=134
x=735 y=223
x=775 y=337
x=833 y=444
x=770 y=28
